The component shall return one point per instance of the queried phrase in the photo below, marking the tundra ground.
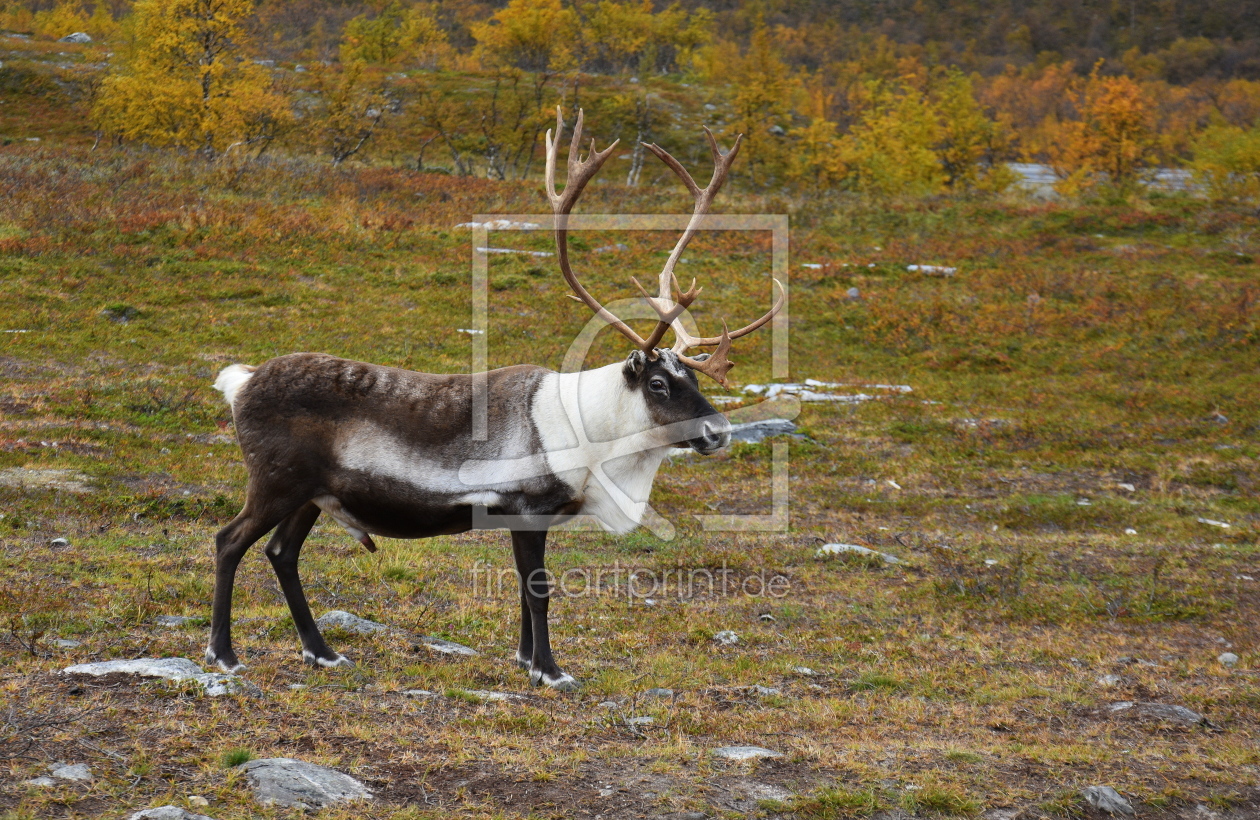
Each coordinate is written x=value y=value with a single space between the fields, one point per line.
x=1084 y=404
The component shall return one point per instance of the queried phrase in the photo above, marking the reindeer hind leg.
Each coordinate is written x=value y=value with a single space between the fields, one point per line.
x=231 y=543
x=283 y=551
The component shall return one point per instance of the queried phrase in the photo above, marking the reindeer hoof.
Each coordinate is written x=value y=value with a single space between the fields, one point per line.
x=564 y=682
x=227 y=663
x=327 y=663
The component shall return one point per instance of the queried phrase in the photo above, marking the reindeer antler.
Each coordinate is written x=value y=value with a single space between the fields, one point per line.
x=668 y=310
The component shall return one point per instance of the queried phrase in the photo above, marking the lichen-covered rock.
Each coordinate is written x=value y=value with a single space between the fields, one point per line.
x=284 y=781
x=167 y=813
x=339 y=619
x=1107 y=800
x=215 y=684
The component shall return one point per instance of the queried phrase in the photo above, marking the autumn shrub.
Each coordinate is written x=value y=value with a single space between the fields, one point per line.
x=60 y=20
x=396 y=35
x=1111 y=142
x=1227 y=161
x=890 y=150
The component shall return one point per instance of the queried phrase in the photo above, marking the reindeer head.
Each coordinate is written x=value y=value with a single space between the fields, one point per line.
x=666 y=377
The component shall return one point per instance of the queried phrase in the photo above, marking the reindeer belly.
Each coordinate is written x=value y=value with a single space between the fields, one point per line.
x=395 y=509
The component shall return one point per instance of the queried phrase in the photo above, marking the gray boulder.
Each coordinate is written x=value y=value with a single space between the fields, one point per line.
x=215 y=684
x=167 y=813
x=350 y=623
x=755 y=431
x=175 y=621
x=283 y=781
x=1107 y=800
x=855 y=549
x=744 y=752
x=444 y=646
x=77 y=37
x=1161 y=711
x=72 y=771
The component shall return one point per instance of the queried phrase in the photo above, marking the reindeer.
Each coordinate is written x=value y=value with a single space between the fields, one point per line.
x=391 y=452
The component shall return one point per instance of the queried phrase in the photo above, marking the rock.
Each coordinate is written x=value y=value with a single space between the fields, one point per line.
x=657 y=693
x=40 y=782
x=1213 y=523
x=419 y=693
x=69 y=480
x=284 y=781
x=444 y=646
x=755 y=431
x=515 y=250
x=764 y=691
x=1109 y=680
x=777 y=130
x=59 y=542
x=744 y=752
x=168 y=813
x=1161 y=711
x=726 y=638
x=804 y=670
x=837 y=549
x=501 y=225
x=72 y=771
x=1107 y=800
x=175 y=620
x=1129 y=488
x=1227 y=659
x=643 y=720
x=932 y=270
x=617 y=248
x=853 y=293
x=1130 y=531
x=64 y=643
x=77 y=37
x=487 y=696
x=169 y=668
x=215 y=684
x=339 y=619
x=766 y=617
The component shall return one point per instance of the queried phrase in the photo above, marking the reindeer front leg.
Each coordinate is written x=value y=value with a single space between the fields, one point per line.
x=529 y=548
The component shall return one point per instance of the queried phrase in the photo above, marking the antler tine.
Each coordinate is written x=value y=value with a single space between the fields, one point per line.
x=715 y=366
x=687 y=340
x=668 y=316
x=580 y=172
x=703 y=202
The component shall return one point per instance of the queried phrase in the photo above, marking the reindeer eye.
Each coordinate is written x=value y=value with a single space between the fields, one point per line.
x=657 y=384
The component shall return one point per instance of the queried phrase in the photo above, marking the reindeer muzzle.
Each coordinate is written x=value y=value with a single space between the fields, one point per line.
x=715 y=433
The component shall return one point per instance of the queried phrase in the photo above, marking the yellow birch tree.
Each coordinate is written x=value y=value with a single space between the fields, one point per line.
x=184 y=79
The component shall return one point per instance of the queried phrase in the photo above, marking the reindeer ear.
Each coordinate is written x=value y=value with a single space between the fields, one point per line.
x=635 y=362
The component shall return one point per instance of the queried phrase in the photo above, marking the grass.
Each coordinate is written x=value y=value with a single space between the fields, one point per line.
x=961 y=680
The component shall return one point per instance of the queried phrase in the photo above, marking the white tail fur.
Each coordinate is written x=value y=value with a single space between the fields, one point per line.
x=231 y=379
